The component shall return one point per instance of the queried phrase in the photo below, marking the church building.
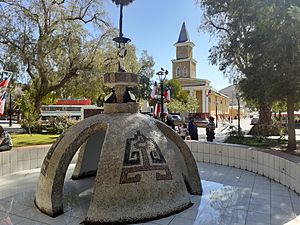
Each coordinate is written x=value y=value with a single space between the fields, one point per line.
x=211 y=102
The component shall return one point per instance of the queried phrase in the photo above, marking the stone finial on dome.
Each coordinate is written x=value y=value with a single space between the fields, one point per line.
x=123 y=2
x=183 y=36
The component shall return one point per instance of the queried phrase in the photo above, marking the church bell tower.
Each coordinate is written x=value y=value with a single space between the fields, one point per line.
x=184 y=66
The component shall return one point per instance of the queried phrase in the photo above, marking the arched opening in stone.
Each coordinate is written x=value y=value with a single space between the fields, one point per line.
x=89 y=156
x=49 y=196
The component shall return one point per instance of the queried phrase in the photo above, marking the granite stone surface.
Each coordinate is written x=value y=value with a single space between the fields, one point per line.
x=141 y=172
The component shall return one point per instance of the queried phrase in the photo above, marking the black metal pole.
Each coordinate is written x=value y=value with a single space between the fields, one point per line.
x=10 y=110
x=121 y=21
x=239 y=118
x=162 y=100
x=216 y=111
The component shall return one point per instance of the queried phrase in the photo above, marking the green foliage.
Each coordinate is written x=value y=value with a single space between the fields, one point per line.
x=146 y=71
x=258 y=43
x=175 y=87
x=176 y=106
x=191 y=105
x=264 y=130
x=57 y=125
x=181 y=101
x=255 y=141
x=50 y=42
x=279 y=106
x=29 y=115
x=146 y=63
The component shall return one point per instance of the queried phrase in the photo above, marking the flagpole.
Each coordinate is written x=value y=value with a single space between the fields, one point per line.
x=10 y=110
x=162 y=76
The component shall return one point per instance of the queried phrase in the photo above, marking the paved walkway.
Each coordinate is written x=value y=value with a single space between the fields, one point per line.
x=222 y=130
x=231 y=197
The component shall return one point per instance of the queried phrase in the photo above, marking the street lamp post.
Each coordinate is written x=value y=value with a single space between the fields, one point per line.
x=216 y=111
x=10 y=110
x=239 y=111
x=162 y=76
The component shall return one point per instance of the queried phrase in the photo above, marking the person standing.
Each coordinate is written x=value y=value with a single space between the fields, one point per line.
x=5 y=140
x=170 y=122
x=183 y=131
x=210 y=129
x=193 y=130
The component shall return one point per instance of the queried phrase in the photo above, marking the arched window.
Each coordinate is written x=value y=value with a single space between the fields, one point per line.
x=178 y=72
x=184 y=72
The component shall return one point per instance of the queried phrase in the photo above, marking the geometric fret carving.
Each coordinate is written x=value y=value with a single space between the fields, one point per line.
x=143 y=154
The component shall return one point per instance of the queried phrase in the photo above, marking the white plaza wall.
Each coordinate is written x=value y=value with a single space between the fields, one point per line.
x=25 y=158
x=278 y=166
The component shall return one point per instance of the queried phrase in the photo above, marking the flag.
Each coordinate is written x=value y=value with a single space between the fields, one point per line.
x=156 y=110
x=165 y=109
x=208 y=93
x=3 y=87
x=153 y=92
x=167 y=95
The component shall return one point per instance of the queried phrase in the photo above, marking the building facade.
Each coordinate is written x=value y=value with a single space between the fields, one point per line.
x=184 y=68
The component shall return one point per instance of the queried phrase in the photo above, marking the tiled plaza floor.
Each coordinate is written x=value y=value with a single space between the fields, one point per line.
x=231 y=196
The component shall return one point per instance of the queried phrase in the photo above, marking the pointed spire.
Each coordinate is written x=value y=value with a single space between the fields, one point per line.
x=183 y=36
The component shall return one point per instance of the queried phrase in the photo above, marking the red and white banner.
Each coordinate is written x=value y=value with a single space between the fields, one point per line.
x=154 y=91
x=167 y=95
x=157 y=110
x=3 y=87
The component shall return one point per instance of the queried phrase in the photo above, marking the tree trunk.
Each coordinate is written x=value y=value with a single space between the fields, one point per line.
x=239 y=116
x=291 y=122
x=38 y=104
x=265 y=114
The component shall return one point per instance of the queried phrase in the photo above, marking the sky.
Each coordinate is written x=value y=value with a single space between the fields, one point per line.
x=154 y=25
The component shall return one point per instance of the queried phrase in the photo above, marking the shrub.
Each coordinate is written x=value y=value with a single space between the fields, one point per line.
x=57 y=125
x=33 y=126
x=234 y=132
x=274 y=129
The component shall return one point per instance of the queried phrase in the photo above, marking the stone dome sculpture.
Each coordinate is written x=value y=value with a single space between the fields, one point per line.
x=143 y=170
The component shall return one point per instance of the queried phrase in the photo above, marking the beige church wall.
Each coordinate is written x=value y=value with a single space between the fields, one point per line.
x=233 y=112
x=199 y=98
x=225 y=106
x=174 y=71
x=223 y=109
x=181 y=52
x=181 y=65
x=190 y=52
x=193 y=70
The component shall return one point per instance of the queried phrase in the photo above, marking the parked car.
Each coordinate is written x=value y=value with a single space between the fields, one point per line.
x=200 y=122
x=254 y=121
x=177 y=119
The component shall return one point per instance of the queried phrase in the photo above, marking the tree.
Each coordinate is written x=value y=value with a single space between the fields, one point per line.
x=50 y=40
x=260 y=41
x=190 y=106
x=181 y=101
x=175 y=87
